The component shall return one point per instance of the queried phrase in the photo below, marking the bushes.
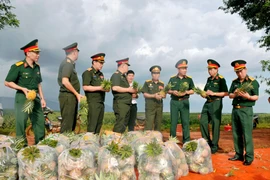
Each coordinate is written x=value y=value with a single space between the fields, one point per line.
x=109 y=120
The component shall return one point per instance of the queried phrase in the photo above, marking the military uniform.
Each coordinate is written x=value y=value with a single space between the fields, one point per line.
x=153 y=107
x=242 y=117
x=22 y=74
x=121 y=101
x=212 y=109
x=180 y=104
x=67 y=100
x=95 y=99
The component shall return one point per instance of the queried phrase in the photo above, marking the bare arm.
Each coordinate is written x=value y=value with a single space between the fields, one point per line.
x=12 y=85
x=123 y=90
x=40 y=92
x=152 y=96
x=66 y=83
x=92 y=88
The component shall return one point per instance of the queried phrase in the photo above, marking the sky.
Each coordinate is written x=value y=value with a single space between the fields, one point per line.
x=149 y=32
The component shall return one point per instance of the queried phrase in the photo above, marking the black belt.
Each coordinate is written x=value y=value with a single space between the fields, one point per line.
x=239 y=107
x=181 y=99
x=212 y=100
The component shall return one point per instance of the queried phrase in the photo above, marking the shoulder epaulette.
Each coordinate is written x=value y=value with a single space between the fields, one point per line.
x=116 y=72
x=19 y=63
x=220 y=76
x=161 y=81
x=189 y=76
x=251 y=78
x=89 y=69
x=149 y=80
x=69 y=61
x=173 y=76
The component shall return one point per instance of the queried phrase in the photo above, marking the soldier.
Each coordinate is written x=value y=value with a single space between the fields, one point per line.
x=180 y=100
x=24 y=76
x=242 y=112
x=69 y=94
x=95 y=94
x=216 y=89
x=133 y=108
x=122 y=96
x=153 y=100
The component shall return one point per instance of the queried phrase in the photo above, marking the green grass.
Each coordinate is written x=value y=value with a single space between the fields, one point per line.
x=109 y=120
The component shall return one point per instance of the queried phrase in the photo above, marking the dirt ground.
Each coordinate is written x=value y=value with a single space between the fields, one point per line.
x=258 y=170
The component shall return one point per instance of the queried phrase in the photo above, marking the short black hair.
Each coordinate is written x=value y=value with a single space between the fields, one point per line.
x=130 y=72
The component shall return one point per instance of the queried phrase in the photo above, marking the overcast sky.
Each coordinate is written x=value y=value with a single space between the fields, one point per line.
x=149 y=32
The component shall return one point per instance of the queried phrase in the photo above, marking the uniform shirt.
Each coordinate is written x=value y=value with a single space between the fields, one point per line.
x=151 y=87
x=67 y=69
x=119 y=79
x=176 y=82
x=93 y=77
x=217 y=84
x=24 y=75
x=240 y=100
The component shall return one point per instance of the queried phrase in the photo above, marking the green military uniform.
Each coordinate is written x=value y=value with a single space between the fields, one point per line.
x=121 y=101
x=67 y=100
x=95 y=99
x=180 y=104
x=153 y=107
x=212 y=109
x=242 y=116
x=28 y=77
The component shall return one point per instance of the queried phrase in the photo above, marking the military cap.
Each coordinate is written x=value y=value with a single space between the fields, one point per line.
x=238 y=65
x=32 y=46
x=123 y=61
x=98 y=57
x=155 y=69
x=181 y=63
x=71 y=47
x=212 y=63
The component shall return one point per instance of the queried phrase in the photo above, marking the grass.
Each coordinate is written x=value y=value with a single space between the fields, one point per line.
x=109 y=120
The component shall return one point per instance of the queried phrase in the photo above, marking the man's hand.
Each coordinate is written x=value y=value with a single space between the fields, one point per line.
x=182 y=93
x=209 y=93
x=244 y=94
x=236 y=92
x=132 y=90
x=79 y=96
x=43 y=103
x=175 y=93
x=158 y=96
x=25 y=91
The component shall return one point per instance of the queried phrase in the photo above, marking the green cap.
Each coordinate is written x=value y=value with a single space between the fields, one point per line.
x=238 y=65
x=212 y=64
x=123 y=61
x=71 y=47
x=181 y=63
x=155 y=69
x=98 y=57
x=32 y=46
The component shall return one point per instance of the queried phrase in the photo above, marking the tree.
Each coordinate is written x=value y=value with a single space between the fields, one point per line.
x=7 y=18
x=256 y=14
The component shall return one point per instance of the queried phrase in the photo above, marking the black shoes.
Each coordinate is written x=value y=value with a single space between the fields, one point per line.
x=235 y=158
x=247 y=163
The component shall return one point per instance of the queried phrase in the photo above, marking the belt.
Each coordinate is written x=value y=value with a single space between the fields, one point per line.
x=239 y=107
x=182 y=99
x=212 y=100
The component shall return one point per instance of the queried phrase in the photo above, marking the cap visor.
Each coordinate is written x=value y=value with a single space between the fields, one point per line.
x=128 y=64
